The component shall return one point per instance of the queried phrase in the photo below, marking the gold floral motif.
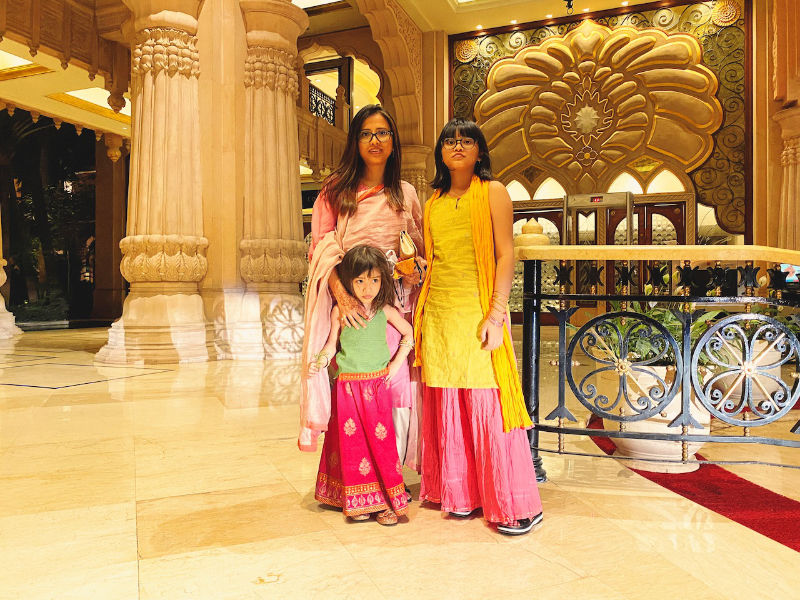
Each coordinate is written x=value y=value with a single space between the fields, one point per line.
x=398 y=467
x=380 y=431
x=368 y=393
x=364 y=467
x=726 y=12
x=349 y=427
x=347 y=388
x=583 y=102
x=466 y=50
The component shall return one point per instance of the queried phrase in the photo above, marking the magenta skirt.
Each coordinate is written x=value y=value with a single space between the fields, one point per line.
x=359 y=470
x=468 y=462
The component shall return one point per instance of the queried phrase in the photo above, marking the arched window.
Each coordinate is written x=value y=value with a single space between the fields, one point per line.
x=664 y=183
x=517 y=191
x=625 y=182
x=549 y=189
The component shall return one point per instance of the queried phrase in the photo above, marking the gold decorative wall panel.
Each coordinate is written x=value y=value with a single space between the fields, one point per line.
x=584 y=101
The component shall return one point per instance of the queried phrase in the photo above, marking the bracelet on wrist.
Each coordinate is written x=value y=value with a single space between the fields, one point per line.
x=494 y=321
x=320 y=357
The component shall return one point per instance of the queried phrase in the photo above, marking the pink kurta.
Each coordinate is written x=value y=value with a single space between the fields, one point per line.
x=377 y=224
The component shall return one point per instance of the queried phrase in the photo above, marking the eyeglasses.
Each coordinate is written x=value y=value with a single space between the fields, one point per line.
x=466 y=143
x=382 y=135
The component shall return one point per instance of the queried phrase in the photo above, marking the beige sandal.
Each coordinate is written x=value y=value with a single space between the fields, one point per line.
x=387 y=517
x=364 y=517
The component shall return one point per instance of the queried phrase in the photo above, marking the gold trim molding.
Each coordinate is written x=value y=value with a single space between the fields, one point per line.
x=23 y=71
x=90 y=107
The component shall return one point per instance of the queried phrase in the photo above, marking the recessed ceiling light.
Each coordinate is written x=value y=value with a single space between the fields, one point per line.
x=317 y=80
x=479 y=27
x=513 y=21
x=549 y=16
x=625 y=3
x=585 y=10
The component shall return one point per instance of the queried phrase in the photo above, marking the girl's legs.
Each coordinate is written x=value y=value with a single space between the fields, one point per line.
x=506 y=477
x=370 y=474
x=449 y=474
x=468 y=462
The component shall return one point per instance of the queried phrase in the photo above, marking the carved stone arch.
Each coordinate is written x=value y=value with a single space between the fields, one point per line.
x=544 y=176
x=400 y=41
x=310 y=46
x=683 y=177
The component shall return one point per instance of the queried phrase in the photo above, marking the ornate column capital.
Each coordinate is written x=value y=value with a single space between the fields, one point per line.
x=415 y=168
x=271 y=68
x=158 y=258
x=173 y=14
x=789 y=120
x=165 y=49
x=273 y=23
x=273 y=260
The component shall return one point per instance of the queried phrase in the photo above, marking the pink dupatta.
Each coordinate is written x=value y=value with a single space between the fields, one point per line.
x=369 y=228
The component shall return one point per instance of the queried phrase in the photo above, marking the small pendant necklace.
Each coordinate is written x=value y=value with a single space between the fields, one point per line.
x=459 y=198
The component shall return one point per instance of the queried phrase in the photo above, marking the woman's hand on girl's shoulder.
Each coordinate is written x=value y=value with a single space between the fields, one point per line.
x=351 y=312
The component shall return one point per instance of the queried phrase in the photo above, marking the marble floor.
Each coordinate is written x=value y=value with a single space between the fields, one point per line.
x=185 y=482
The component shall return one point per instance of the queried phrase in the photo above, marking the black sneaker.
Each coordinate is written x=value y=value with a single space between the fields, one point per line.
x=409 y=498
x=461 y=514
x=521 y=526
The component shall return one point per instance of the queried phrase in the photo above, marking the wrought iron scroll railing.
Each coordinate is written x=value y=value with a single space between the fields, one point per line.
x=667 y=345
x=321 y=105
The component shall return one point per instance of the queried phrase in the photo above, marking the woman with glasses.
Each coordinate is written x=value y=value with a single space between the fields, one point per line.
x=475 y=451
x=363 y=202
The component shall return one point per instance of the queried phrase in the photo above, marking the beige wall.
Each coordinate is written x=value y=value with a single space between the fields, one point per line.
x=767 y=143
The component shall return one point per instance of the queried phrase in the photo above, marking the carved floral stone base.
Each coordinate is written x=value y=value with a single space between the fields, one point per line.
x=161 y=323
x=270 y=326
x=263 y=321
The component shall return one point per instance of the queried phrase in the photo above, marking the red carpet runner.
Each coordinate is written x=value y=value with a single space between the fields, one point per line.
x=729 y=495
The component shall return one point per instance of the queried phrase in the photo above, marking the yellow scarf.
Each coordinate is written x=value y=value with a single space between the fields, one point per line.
x=512 y=402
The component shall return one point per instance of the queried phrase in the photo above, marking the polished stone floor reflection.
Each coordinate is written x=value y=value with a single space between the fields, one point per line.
x=184 y=481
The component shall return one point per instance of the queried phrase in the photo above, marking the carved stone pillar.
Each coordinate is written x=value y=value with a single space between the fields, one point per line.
x=415 y=169
x=788 y=232
x=109 y=287
x=272 y=250
x=164 y=251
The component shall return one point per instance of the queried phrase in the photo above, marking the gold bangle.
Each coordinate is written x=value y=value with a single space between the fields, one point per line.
x=407 y=343
x=318 y=360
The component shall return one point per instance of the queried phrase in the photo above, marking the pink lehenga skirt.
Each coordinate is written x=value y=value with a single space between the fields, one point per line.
x=468 y=462
x=359 y=470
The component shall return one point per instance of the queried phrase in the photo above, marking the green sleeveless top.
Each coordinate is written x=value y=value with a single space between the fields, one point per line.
x=363 y=350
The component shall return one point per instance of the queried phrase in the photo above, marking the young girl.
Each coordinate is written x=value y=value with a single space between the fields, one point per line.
x=475 y=452
x=359 y=469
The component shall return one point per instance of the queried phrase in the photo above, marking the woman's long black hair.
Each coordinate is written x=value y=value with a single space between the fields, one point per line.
x=470 y=129
x=341 y=185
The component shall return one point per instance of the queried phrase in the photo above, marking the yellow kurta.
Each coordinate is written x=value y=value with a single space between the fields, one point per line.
x=453 y=314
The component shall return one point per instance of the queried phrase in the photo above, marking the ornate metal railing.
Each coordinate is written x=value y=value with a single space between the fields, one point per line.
x=667 y=346
x=321 y=105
